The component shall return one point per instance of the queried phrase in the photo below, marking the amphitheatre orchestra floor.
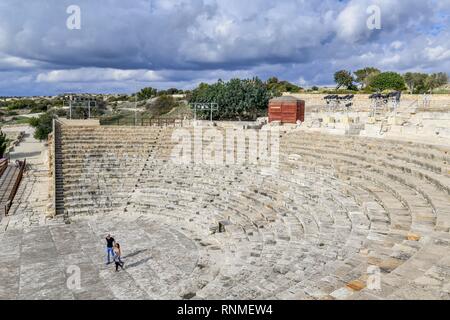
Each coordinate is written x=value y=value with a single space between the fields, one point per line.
x=36 y=263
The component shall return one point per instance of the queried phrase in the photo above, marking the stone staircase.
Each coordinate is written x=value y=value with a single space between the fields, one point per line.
x=100 y=166
x=58 y=170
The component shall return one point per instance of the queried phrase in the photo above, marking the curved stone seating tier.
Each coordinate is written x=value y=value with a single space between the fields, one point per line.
x=247 y=225
x=431 y=187
x=336 y=207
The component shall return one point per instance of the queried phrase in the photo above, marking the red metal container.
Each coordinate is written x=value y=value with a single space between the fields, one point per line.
x=286 y=109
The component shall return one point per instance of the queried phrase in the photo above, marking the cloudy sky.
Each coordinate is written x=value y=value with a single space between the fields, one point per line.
x=127 y=44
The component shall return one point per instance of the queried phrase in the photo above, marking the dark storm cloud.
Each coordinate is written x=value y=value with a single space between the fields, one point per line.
x=124 y=44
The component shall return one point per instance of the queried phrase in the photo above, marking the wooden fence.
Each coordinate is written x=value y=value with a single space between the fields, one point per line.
x=144 y=122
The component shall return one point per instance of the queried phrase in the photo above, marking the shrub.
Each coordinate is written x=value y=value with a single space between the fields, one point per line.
x=170 y=91
x=162 y=105
x=20 y=104
x=3 y=143
x=388 y=81
x=415 y=82
x=274 y=85
x=436 y=80
x=146 y=93
x=43 y=125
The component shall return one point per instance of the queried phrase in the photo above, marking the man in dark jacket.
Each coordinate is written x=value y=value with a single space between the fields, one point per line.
x=110 y=247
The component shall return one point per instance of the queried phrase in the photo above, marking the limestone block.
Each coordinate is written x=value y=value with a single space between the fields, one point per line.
x=342 y=293
x=371 y=130
x=346 y=120
x=396 y=121
x=413 y=237
x=396 y=129
x=409 y=130
x=435 y=116
x=444 y=132
x=327 y=119
x=371 y=120
x=356 y=285
x=342 y=126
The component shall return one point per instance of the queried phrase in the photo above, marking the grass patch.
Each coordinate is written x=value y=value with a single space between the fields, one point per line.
x=16 y=120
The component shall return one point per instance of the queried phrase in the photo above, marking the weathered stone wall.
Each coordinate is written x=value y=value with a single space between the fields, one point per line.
x=80 y=123
x=362 y=101
x=425 y=127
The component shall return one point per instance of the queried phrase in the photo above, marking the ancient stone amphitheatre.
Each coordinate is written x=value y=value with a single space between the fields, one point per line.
x=357 y=208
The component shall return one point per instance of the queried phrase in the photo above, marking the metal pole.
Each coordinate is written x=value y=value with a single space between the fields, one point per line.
x=70 y=108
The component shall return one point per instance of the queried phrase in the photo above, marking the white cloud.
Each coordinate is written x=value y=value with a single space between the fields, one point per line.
x=397 y=45
x=97 y=74
x=10 y=62
x=437 y=53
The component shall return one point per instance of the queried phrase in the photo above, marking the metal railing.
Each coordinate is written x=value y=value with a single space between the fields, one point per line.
x=3 y=165
x=15 y=186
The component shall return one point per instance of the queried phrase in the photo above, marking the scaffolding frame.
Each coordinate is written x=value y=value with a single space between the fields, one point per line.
x=80 y=102
x=204 y=106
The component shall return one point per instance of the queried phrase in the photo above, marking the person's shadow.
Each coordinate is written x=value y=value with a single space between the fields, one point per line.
x=139 y=262
x=134 y=253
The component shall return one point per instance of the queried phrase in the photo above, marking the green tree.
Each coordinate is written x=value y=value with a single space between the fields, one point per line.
x=442 y=79
x=272 y=80
x=21 y=104
x=363 y=76
x=343 y=78
x=436 y=80
x=415 y=82
x=237 y=99
x=2 y=143
x=43 y=125
x=170 y=91
x=146 y=93
x=388 y=80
